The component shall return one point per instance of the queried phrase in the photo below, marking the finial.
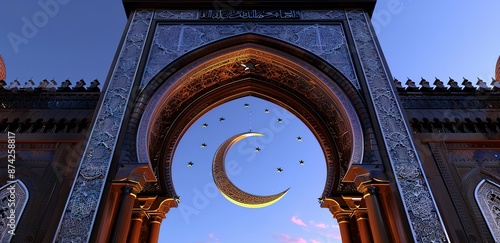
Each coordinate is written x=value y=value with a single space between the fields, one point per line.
x=398 y=83
x=411 y=84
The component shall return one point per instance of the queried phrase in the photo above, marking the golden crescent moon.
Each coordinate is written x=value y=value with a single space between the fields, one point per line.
x=227 y=188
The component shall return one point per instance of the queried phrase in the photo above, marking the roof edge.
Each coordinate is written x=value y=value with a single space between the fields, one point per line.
x=130 y=5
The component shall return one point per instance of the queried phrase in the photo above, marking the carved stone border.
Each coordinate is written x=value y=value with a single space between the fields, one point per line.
x=164 y=14
x=483 y=190
x=441 y=156
x=171 y=41
x=21 y=199
x=322 y=14
x=422 y=212
x=81 y=207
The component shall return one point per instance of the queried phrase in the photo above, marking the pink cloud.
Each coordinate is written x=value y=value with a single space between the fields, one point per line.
x=212 y=236
x=286 y=239
x=330 y=235
x=298 y=221
x=318 y=225
x=314 y=241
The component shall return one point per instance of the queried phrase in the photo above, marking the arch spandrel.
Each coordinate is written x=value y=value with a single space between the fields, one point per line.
x=277 y=77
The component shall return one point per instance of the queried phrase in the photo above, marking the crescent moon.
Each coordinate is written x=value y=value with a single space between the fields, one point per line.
x=228 y=189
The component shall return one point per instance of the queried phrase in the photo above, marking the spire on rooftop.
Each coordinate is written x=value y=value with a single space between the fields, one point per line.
x=3 y=73
x=497 y=70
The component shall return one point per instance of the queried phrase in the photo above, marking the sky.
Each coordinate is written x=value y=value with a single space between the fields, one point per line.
x=419 y=39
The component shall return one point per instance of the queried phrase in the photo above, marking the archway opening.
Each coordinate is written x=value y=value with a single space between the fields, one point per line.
x=176 y=101
x=251 y=165
x=320 y=102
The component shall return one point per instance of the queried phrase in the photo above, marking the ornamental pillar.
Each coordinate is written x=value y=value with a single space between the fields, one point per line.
x=375 y=218
x=154 y=227
x=363 y=226
x=151 y=209
x=342 y=213
x=345 y=227
x=138 y=218
x=124 y=217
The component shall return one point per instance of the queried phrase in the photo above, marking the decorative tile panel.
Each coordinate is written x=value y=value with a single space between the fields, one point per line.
x=249 y=14
x=488 y=199
x=81 y=208
x=176 y=14
x=171 y=41
x=322 y=14
x=421 y=209
x=13 y=193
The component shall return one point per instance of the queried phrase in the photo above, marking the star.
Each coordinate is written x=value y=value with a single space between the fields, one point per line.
x=222 y=119
x=280 y=120
x=301 y=162
x=266 y=111
x=203 y=145
x=249 y=66
x=299 y=138
x=246 y=105
x=204 y=125
x=257 y=149
x=190 y=164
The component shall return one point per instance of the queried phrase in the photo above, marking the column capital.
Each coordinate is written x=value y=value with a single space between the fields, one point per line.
x=155 y=203
x=130 y=189
x=373 y=188
x=369 y=189
x=156 y=217
x=343 y=218
x=139 y=215
x=127 y=187
x=335 y=207
x=360 y=214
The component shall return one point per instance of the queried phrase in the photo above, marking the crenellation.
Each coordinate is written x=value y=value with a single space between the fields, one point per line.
x=50 y=86
x=451 y=85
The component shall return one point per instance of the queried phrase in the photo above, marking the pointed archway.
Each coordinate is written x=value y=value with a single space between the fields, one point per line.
x=278 y=77
x=252 y=68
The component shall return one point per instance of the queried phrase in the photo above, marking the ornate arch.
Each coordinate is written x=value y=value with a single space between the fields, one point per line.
x=487 y=195
x=292 y=83
x=13 y=196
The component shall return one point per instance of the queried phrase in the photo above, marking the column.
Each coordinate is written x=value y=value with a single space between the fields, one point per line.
x=154 y=228
x=363 y=226
x=124 y=217
x=345 y=227
x=375 y=218
x=136 y=226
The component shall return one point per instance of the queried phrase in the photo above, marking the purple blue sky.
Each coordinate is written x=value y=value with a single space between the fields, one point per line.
x=419 y=39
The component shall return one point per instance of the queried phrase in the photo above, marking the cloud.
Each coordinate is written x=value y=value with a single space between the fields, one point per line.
x=319 y=225
x=314 y=241
x=298 y=221
x=286 y=239
x=330 y=235
x=213 y=237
